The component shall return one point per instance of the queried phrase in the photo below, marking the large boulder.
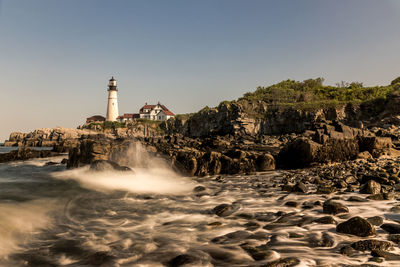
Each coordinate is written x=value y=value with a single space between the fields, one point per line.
x=265 y=162
x=332 y=207
x=303 y=152
x=356 y=226
x=370 y=187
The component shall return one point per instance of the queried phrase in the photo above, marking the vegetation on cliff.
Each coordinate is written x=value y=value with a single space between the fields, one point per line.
x=312 y=93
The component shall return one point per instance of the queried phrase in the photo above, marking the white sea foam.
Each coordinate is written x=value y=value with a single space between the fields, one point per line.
x=151 y=175
x=19 y=221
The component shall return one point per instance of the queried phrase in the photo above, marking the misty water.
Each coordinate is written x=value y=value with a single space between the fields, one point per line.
x=50 y=216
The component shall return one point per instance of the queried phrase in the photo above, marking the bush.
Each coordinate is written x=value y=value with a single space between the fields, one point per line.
x=312 y=93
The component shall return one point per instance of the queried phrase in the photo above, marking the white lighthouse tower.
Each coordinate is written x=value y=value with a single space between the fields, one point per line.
x=112 y=107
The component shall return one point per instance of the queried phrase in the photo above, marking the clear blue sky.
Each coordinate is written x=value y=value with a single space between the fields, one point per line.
x=57 y=56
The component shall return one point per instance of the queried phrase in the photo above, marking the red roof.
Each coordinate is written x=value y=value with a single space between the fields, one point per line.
x=95 y=118
x=127 y=116
x=169 y=113
x=146 y=106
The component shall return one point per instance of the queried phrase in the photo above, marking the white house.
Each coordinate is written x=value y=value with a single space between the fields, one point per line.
x=155 y=112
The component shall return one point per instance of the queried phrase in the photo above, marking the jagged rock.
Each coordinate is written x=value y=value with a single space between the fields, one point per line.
x=372 y=244
x=356 y=226
x=25 y=154
x=332 y=207
x=303 y=152
x=371 y=187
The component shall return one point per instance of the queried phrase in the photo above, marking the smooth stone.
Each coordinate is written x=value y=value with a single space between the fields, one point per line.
x=332 y=207
x=376 y=220
x=356 y=226
x=326 y=220
x=386 y=255
x=391 y=228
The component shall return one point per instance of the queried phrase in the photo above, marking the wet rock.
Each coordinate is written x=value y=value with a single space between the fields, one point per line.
x=182 y=259
x=265 y=162
x=357 y=199
x=259 y=253
x=325 y=190
x=251 y=226
x=364 y=155
x=50 y=163
x=230 y=237
x=350 y=179
x=376 y=220
x=332 y=207
x=370 y=187
x=108 y=165
x=356 y=226
x=391 y=228
x=300 y=188
x=292 y=204
x=265 y=216
x=64 y=161
x=101 y=258
x=295 y=235
x=224 y=210
x=386 y=255
x=326 y=220
x=395 y=238
x=376 y=197
x=325 y=241
x=371 y=244
x=347 y=250
x=215 y=224
x=199 y=188
x=285 y=262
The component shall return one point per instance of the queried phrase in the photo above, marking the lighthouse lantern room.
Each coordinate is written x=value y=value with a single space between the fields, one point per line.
x=112 y=107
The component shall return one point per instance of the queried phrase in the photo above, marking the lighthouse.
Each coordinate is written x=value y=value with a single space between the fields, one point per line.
x=112 y=107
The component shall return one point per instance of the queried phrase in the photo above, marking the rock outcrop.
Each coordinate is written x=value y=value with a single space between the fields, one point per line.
x=49 y=137
x=25 y=154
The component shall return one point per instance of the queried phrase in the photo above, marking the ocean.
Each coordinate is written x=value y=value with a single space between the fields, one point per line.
x=50 y=216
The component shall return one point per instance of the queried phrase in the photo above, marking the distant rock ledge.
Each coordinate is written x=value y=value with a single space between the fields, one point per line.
x=49 y=137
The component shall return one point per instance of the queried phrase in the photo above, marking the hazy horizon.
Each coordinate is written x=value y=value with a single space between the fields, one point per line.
x=57 y=56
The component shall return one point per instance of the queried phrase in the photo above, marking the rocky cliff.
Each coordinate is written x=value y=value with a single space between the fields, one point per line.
x=258 y=118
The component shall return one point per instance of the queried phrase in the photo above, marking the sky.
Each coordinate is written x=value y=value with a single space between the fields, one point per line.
x=56 y=56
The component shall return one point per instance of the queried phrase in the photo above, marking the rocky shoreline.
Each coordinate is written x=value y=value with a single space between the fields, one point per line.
x=329 y=163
